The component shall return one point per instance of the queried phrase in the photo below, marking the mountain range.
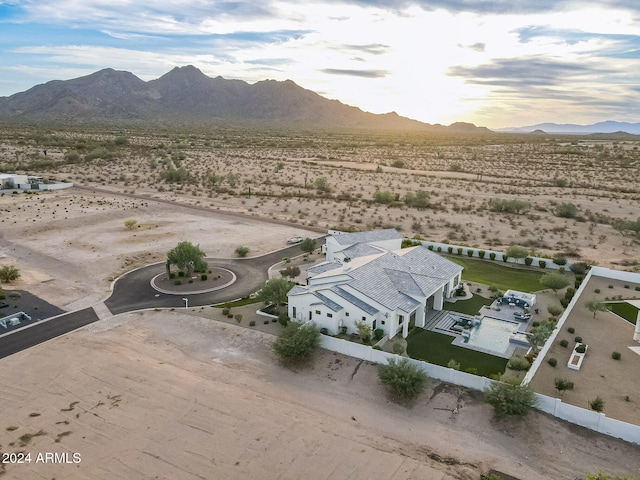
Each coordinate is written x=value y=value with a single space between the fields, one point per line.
x=570 y=128
x=186 y=96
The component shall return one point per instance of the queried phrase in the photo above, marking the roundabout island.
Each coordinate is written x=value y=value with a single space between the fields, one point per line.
x=215 y=279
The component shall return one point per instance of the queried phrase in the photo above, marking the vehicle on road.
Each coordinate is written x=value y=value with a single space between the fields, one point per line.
x=294 y=240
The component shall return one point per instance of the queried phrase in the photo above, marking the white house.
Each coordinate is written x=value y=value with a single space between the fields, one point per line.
x=11 y=180
x=388 y=290
x=340 y=246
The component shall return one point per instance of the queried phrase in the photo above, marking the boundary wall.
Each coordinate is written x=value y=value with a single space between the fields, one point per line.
x=499 y=255
x=553 y=406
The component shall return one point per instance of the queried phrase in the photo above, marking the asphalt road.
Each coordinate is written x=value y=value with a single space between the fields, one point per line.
x=46 y=330
x=133 y=291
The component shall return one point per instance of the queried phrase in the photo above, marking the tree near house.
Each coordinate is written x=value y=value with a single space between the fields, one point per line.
x=187 y=257
x=308 y=245
x=541 y=333
x=274 y=291
x=516 y=251
x=594 y=305
x=405 y=380
x=510 y=399
x=562 y=385
x=555 y=281
x=364 y=330
x=297 y=343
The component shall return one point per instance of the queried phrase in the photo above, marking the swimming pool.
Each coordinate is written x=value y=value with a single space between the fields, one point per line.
x=492 y=334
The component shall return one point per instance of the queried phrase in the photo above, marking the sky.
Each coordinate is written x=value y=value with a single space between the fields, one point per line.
x=495 y=63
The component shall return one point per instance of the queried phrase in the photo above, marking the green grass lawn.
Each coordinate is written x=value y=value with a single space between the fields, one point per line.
x=470 y=306
x=503 y=277
x=436 y=348
x=625 y=310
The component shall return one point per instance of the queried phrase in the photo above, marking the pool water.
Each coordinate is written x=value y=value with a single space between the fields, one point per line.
x=492 y=334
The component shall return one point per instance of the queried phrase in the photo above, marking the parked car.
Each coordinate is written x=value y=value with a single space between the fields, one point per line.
x=294 y=240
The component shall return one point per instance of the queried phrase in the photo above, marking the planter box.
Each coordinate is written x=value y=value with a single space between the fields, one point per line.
x=575 y=361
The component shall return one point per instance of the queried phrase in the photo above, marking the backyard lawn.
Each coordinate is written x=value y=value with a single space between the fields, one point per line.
x=436 y=348
x=470 y=306
x=503 y=277
x=625 y=310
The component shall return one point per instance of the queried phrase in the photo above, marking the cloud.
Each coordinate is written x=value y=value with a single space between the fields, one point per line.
x=526 y=71
x=478 y=47
x=372 y=48
x=500 y=7
x=356 y=73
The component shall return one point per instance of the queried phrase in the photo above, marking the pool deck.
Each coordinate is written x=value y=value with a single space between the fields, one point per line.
x=495 y=311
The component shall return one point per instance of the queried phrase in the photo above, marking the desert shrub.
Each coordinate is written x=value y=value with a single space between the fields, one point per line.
x=492 y=256
x=564 y=302
x=542 y=263
x=242 y=251
x=579 y=268
x=559 y=259
x=565 y=210
x=518 y=363
x=430 y=247
x=378 y=333
x=177 y=282
x=398 y=349
x=9 y=273
x=470 y=253
x=510 y=399
x=581 y=348
x=439 y=248
x=535 y=324
x=130 y=224
x=597 y=404
x=554 y=310
x=225 y=311
x=481 y=253
x=403 y=378
x=528 y=261
x=384 y=197
x=552 y=361
x=121 y=141
x=453 y=364
x=571 y=330
x=238 y=317
x=459 y=250
x=450 y=249
x=562 y=385
x=508 y=206
x=564 y=343
x=283 y=319
x=252 y=323
x=578 y=339
x=570 y=293
x=204 y=277
x=616 y=355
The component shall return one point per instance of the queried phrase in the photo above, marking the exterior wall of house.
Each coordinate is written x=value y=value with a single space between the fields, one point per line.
x=332 y=246
x=391 y=245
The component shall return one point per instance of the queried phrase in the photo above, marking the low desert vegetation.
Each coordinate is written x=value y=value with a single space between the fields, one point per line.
x=404 y=379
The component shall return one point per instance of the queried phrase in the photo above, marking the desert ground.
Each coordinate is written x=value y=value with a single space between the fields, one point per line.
x=168 y=395
x=615 y=381
x=329 y=179
x=179 y=396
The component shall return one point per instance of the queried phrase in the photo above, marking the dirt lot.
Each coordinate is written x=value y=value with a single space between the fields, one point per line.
x=599 y=375
x=70 y=244
x=167 y=395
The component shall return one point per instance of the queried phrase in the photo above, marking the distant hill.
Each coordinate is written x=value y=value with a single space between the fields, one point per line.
x=601 y=127
x=185 y=95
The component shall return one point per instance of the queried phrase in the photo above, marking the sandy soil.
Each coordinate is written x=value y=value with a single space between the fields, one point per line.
x=167 y=395
x=70 y=244
x=599 y=375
